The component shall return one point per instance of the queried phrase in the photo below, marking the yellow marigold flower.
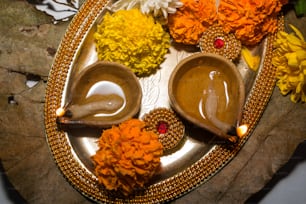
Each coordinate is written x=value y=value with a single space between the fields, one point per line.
x=133 y=39
x=290 y=60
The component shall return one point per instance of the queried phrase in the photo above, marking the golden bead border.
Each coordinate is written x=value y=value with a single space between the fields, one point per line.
x=171 y=188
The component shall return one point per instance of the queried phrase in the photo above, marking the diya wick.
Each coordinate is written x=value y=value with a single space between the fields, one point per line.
x=225 y=130
x=109 y=105
x=233 y=134
x=211 y=104
x=227 y=136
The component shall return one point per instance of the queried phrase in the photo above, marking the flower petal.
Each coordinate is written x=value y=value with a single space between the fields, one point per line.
x=297 y=32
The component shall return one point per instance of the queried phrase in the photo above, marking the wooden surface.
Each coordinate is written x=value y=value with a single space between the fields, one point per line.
x=28 y=42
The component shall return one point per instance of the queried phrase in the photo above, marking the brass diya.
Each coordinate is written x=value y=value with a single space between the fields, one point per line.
x=101 y=95
x=208 y=91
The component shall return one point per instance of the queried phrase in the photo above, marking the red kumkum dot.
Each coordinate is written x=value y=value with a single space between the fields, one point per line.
x=162 y=128
x=219 y=43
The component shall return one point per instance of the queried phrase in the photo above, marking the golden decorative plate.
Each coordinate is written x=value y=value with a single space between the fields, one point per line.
x=192 y=163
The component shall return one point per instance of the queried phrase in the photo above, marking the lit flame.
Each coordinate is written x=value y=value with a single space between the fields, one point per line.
x=60 y=112
x=242 y=130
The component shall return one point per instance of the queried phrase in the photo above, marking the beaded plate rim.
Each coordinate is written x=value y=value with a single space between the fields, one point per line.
x=171 y=188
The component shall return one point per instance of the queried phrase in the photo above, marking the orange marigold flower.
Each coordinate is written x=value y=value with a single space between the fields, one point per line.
x=191 y=20
x=128 y=156
x=249 y=20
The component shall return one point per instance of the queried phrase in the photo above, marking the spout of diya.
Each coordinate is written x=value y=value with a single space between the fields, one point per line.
x=231 y=133
x=222 y=129
x=75 y=113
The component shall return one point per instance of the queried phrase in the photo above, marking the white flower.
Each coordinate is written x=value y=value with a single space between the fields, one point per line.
x=156 y=7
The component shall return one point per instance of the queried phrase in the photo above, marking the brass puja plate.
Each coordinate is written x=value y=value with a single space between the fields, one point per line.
x=198 y=157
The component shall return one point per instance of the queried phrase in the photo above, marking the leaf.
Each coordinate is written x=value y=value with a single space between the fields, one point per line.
x=300 y=7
